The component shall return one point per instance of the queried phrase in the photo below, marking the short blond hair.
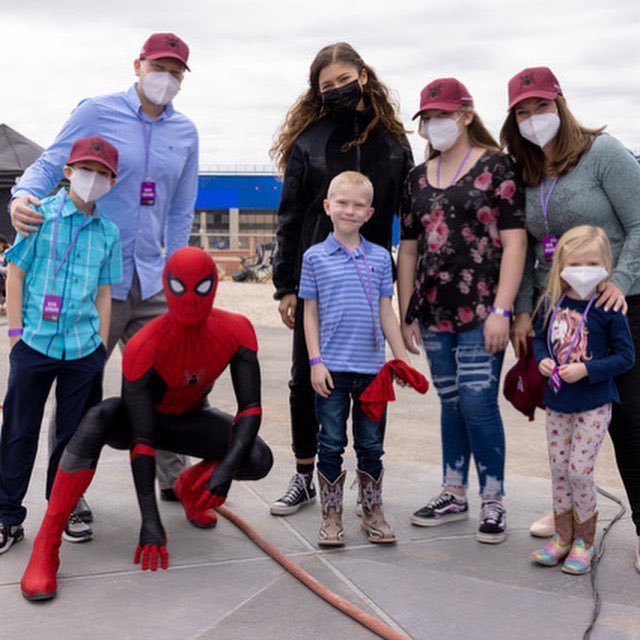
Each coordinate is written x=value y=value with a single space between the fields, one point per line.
x=352 y=179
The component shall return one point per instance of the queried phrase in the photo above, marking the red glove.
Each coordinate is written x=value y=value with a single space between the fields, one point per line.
x=150 y=555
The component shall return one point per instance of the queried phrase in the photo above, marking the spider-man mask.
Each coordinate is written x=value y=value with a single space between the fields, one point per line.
x=190 y=281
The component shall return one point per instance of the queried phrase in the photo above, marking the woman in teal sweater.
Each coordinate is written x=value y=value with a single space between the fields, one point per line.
x=574 y=176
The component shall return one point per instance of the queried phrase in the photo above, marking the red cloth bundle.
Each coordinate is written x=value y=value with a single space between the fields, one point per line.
x=375 y=397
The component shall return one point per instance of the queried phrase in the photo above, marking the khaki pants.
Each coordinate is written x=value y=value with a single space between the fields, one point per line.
x=128 y=317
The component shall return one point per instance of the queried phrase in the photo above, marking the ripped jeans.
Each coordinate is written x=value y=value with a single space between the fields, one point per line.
x=467 y=378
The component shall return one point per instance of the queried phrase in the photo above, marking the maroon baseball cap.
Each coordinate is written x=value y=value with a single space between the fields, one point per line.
x=447 y=94
x=96 y=149
x=534 y=82
x=524 y=385
x=165 y=45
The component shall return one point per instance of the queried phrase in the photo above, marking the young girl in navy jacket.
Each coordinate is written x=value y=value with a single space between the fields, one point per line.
x=580 y=348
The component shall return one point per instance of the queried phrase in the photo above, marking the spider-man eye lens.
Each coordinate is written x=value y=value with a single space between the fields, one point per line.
x=176 y=286
x=204 y=286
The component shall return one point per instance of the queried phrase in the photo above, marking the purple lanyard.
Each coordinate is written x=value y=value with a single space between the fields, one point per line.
x=544 y=201
x=455 y=177
x=56 y=268
x=147 y=129
x=368 y=290
x=576 y=335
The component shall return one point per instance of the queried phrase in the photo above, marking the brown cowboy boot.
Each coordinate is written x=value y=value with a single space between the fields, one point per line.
x=558 y=549
x=331 y=533
x=373 y=521
x=583 y=550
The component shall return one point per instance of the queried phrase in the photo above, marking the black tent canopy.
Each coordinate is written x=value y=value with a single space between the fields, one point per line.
x=16 y=154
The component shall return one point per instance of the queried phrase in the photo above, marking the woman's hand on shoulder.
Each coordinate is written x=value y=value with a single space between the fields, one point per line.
x=611 y=296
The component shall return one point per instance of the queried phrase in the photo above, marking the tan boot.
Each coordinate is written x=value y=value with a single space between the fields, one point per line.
x=582 y=552
x=373 y=520
x=331 y=533
x=544 y=527
x=558 y=549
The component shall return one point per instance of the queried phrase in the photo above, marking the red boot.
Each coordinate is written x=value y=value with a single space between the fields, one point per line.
x=189 y=486
x=39 y=579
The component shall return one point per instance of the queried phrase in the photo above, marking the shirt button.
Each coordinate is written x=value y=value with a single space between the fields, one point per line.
x=75 y=279
x=72 y=306
x=78 y=255
x=67 y=331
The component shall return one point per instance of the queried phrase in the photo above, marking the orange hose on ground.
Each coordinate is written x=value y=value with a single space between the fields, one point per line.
x=373 y=624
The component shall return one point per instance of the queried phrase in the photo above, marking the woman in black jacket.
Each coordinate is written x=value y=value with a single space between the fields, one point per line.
x=346 y=120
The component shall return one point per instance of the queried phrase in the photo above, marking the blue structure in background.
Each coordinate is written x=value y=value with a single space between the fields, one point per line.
x=247 y=191
x=238 y=192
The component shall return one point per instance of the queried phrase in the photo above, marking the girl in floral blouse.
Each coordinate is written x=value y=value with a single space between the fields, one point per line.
x=459 y=268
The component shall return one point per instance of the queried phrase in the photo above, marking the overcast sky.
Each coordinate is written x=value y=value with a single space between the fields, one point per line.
x=250 y=60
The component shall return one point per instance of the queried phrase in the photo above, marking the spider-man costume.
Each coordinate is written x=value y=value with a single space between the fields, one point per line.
x=169 y=367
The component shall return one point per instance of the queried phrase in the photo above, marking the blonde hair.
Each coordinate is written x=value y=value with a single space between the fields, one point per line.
x=574 y=242
x=571 y=142
x=479 y=135
x=351 y=179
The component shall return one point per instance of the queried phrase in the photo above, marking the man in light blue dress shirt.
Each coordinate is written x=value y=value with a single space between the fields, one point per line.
x=153 y=201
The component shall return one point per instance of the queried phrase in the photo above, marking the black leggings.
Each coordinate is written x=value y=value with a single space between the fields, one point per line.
x=625 y=422
x=203 y=433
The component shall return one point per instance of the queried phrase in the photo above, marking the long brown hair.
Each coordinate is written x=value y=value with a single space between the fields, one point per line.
x=479 y=135
x=574 y=242
x=571 y=142
x=308 y=108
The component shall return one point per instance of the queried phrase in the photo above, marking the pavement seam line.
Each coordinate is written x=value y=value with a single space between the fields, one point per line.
x=379 y=611
x=212 y=626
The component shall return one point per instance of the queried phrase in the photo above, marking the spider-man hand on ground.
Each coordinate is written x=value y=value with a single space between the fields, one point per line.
x=169 y=367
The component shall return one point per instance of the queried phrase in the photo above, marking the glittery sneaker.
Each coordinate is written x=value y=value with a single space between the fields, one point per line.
x=493 y=522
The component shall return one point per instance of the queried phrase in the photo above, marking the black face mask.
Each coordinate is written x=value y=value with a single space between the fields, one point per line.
x=344 y=99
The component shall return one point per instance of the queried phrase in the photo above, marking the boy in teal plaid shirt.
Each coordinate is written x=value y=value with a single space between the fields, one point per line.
x=58 y=308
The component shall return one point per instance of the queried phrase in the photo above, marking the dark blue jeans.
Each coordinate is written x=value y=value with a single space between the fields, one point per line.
x=31 y=374
x=333 y=413
x=467 y=378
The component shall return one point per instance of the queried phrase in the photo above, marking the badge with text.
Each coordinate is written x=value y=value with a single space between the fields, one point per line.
x=148 y=193
x=555 y=382
x=51 y=308
x=549 y=244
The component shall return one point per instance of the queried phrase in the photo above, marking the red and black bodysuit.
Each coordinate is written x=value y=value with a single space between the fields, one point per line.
x=169 y=368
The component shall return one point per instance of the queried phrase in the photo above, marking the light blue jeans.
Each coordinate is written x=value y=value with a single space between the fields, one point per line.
x=467 y=378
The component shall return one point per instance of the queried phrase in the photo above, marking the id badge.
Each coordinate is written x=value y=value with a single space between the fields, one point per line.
x=51 y=308
x=555 y=382
x=148 y=193
x=549 y=244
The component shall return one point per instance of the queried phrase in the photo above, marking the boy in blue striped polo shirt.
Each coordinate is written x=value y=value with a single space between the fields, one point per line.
x=347 y=286
x=58 y=308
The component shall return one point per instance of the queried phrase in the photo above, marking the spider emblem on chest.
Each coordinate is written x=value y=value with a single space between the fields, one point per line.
x=191 y=379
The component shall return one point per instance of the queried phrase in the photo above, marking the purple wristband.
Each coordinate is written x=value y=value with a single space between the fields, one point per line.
x=14 y=332
x=501 y=312
x=315 y=361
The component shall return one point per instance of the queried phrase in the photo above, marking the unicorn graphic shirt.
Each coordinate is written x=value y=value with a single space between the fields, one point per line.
x=603 y=344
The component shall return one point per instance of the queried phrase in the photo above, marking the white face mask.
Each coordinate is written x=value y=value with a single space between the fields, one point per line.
x=583 y=280
x=160 y=87
x=441 y=133
x=540 y=129
x=89 y=186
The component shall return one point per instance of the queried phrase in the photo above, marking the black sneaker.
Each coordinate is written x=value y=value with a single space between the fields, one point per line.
x=76 y=530
x=300 y=492
x=493 y=522
x=83 y=510
x=9 y=535
x=445 y=507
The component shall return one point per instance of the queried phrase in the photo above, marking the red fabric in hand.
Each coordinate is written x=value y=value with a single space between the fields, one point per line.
x=524 y=385
x=375 y=397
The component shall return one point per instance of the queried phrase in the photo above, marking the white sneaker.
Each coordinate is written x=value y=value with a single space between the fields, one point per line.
x=76 y=530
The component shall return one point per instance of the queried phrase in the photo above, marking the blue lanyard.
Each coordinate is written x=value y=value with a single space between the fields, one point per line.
x=368 y=290
x=576 y=335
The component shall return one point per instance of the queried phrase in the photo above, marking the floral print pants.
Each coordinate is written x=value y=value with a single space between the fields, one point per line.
x=574 y=440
